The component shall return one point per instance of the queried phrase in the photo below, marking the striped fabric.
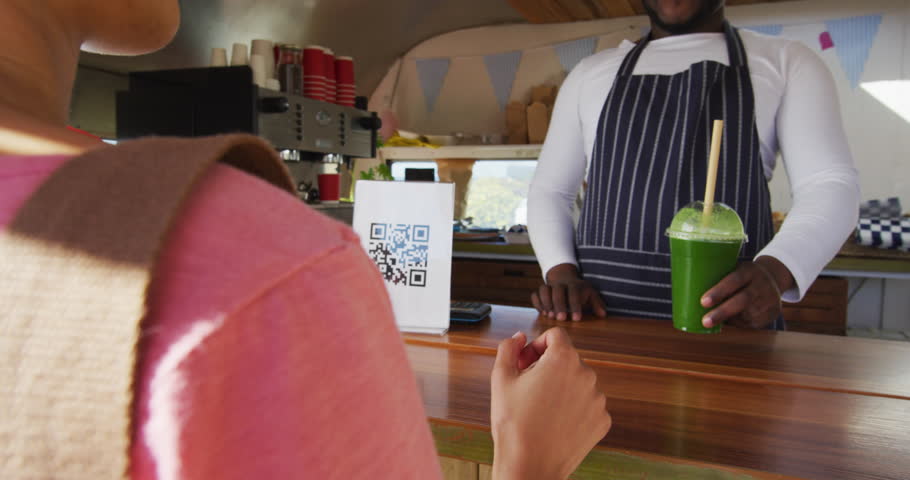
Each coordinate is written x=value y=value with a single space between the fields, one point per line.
x=650 y=159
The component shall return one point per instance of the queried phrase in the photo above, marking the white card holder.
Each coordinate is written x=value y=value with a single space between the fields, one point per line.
x=406 y=228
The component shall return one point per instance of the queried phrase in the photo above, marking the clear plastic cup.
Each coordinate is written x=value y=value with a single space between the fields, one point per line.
x=702 y=253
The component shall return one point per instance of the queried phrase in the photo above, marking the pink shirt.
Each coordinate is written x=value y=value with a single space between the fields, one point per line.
x=270 y=350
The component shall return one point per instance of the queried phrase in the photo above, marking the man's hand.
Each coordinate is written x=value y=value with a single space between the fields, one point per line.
x=546 y=418
x=566 y=292
x=750 y=296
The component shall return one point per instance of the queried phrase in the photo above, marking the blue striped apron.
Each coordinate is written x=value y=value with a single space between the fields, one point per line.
x=650 y=159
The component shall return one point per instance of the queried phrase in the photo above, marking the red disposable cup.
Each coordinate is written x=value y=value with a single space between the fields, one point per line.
x=346 y=99
x=329 y=76
x=314 y=72
x=329 y=187
x=313 y=61
x=314 y=93
x=344 y=70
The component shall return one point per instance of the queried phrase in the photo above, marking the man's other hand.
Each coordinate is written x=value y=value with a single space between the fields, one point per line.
x=565 y=295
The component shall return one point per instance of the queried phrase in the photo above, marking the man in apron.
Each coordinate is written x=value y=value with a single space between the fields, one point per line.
x=634 y=123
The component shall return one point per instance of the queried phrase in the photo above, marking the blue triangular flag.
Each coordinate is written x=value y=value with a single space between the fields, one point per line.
x=773 y=30
x=570 y=53
x=502 y=68
x=853 y=38
x=432 y=73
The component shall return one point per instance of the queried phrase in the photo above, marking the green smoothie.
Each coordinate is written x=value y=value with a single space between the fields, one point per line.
x=702 y=252
x=696 y=267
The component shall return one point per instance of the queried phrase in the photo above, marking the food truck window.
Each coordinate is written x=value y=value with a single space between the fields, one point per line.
x=497 y=193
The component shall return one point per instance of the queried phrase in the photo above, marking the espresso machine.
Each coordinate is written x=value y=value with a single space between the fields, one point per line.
x=206 y=101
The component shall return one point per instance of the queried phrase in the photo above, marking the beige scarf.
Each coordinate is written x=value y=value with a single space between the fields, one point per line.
x=75 y=267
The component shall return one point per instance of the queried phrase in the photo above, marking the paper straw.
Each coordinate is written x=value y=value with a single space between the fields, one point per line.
x=712 y=170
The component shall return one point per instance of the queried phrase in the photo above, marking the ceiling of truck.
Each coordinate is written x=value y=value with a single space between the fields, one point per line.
x=374 y=32
x=553 y=11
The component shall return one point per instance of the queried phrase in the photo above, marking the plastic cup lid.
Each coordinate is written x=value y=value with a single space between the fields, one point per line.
x=724 y=225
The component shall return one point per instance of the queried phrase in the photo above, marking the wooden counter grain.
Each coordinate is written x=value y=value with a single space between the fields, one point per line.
x=743 y=404
x=850 y=365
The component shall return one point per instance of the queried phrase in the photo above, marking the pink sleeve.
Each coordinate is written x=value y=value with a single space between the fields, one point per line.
x=308 y=380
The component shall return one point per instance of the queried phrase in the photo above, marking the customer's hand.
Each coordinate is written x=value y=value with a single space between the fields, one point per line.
x=565 y=293
x=749 y=297
x=547 y=411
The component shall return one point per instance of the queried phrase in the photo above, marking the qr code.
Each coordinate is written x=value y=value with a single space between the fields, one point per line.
x=400 y=251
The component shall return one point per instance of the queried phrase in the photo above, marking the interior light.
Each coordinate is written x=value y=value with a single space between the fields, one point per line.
x=894 y=94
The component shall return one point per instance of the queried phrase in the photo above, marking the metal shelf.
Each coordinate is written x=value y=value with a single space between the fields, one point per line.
x=485 y=152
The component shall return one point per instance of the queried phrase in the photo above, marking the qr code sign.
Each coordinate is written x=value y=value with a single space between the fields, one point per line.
x=400 y=251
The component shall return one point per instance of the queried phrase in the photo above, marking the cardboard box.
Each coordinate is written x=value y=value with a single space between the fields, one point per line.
x=538 y=122
x=545 y=94
x=517 y=123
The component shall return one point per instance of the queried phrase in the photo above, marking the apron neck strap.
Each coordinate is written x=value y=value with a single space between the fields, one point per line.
x=735 y=51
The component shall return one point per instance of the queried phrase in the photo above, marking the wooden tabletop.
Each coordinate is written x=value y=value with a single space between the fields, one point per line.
x=788 y=404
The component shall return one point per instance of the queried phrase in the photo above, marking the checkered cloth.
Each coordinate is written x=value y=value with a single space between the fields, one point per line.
x=881 y=225
x=890 y=208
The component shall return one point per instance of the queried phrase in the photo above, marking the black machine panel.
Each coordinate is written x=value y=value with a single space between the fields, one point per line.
x=205 y=101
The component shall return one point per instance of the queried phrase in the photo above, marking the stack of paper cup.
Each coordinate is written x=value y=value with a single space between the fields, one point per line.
x=314 y=73
x=258 y=65
x=264 y=48
x=239 y=55
x=344 y=77
x=329 y=60
x=219 y=58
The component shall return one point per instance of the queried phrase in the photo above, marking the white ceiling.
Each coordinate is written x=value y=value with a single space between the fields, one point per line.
x=374 y=32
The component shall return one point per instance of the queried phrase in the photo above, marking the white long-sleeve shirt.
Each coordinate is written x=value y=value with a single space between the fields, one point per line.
x=797 y=114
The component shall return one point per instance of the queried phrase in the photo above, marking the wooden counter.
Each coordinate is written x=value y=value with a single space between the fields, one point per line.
x=853 y=260
x=740 y=405
x=497 y=272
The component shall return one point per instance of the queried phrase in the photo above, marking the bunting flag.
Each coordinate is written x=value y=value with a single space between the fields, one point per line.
x=773 y=30
x=432 y=73
x=853 y=38
x=570 y=53
x=502 y=68
x=645 y=31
